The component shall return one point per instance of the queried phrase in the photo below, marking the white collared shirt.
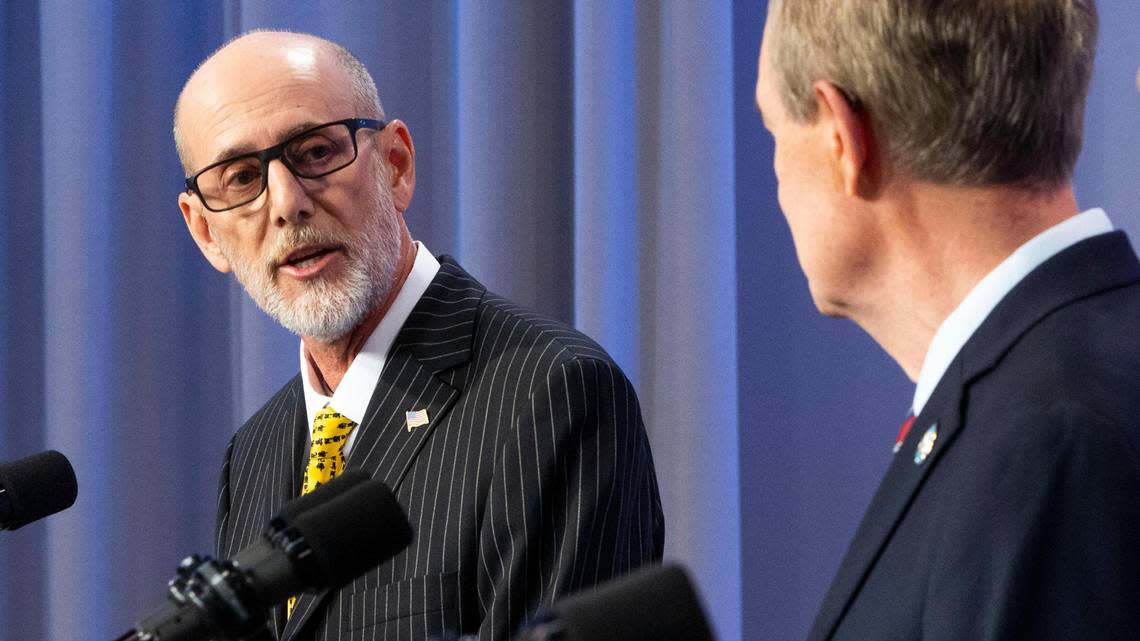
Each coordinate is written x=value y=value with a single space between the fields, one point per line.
x=355 y=390
x=953 y=333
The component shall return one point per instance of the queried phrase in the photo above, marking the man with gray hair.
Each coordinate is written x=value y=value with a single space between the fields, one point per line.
x=514 y=443
x=924 y=152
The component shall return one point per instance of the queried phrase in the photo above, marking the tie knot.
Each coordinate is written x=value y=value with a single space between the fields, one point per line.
x=326 y=452
x=329 y=423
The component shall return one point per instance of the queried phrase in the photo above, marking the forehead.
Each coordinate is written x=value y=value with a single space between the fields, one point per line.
x=251 y=94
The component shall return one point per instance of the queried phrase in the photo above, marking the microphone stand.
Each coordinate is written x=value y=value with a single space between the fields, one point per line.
x=217 y=587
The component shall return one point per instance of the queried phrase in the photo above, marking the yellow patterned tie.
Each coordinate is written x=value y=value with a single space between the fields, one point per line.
x=326 y=456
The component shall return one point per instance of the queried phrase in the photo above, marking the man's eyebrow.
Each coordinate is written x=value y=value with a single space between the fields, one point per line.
x=234 y=151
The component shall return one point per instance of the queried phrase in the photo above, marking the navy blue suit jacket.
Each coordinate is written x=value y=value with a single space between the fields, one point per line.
x=1023 y=523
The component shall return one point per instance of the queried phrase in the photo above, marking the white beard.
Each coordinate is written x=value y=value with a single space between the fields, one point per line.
x=328 y=309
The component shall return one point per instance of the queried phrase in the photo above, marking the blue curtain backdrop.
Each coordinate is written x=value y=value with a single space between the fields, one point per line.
x=600 y=161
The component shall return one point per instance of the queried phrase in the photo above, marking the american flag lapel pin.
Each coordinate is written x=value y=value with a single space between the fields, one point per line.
x=416 y=418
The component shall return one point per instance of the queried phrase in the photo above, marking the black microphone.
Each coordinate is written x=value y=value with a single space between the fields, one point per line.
x=318 y=541
x=657 y=603
x=34 y=487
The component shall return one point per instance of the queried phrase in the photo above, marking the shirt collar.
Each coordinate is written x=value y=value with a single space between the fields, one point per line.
x=953 y=333
x=355 y=390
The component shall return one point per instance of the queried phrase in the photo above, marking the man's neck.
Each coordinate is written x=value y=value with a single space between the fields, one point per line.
x=941 y=242
x=331 y=360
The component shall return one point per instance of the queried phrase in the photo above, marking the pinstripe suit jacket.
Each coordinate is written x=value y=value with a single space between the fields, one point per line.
x=533 y=478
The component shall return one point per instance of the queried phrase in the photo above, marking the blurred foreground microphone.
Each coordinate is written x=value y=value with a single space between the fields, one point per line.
x=320 y=540
x=657 y=603
x=34 y=487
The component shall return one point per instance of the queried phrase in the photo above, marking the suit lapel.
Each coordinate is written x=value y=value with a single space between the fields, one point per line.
x=387 y=445
x=1091 y=266
x=297 y=446
x=896 y=492
x=437 y=337
x=290 y=484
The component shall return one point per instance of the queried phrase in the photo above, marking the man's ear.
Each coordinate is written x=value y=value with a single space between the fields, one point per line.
x=400 y=154
x=849 y=142
x=201 y=233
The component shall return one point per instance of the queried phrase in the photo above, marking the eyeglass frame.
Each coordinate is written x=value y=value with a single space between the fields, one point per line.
x=277 y=152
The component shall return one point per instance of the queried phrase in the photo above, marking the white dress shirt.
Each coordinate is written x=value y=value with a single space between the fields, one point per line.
x=977 y=305
x=355 y=390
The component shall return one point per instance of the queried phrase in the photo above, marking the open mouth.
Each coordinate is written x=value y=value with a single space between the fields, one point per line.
x=306 y=256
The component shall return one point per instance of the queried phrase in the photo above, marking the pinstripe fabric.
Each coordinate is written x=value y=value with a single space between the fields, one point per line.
x=532 y=479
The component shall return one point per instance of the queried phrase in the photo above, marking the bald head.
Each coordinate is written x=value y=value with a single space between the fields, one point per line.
x=226 y=75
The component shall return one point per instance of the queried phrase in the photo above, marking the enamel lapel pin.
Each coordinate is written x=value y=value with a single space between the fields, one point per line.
x=926 y=445
x=416 y=418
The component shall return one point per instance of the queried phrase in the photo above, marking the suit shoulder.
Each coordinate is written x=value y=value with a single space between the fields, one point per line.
x=1089 y=348
x=505 y=325
x=1077 y=369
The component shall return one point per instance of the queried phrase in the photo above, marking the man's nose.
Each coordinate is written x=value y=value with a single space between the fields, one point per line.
x=289 y=203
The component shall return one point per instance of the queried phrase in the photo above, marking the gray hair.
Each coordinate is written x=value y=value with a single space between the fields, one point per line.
x=365 y=96
x=968 y=93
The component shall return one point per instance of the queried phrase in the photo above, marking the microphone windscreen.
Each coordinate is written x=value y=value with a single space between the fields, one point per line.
x=37 y=486
x=354 y=532
x=305 y=502
x=657 y=603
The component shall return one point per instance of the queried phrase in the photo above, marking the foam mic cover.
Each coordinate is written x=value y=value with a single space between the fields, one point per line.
x=34 y=487
x=354 y=532
x=657 y=603
x=339 y=485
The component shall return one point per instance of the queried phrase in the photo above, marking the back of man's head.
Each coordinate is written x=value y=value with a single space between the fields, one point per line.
x=959 y=92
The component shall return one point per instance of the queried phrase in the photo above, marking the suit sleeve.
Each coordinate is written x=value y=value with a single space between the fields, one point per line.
x=574 y=499
x=1056 y=541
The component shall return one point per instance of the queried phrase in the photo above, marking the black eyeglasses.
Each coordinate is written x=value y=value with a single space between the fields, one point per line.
x=313 y=153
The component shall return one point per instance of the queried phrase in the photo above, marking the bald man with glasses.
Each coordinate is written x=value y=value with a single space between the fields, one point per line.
x=514 y=443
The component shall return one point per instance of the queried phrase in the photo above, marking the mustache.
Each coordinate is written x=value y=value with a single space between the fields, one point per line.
x=299 y=236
